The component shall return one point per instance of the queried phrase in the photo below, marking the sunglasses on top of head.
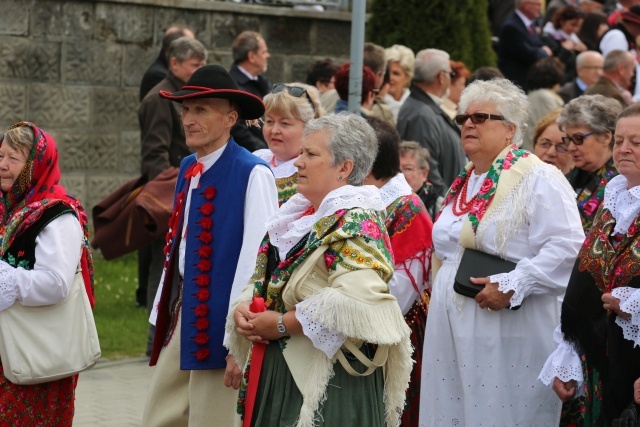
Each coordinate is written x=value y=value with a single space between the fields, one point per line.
x=296 y=92
x=476 y=118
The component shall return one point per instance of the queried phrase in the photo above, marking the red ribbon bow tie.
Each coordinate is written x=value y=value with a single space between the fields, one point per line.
x=194 y=170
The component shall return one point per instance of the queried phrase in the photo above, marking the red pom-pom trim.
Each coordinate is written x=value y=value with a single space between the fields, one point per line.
x=209 y=193
x=202 y=294
x=201 y=338
x=204 y=265
x=202 y=354
x=202 y=280
x=202 y=324
x=205 y=237
x=205 y=252
x=201 y=310
x=206 y=223
x=206 y=208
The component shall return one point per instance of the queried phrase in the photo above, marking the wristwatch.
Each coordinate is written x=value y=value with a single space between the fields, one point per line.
x=280 y=326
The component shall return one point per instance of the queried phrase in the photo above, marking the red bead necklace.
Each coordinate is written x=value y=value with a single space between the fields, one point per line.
x=461 y=200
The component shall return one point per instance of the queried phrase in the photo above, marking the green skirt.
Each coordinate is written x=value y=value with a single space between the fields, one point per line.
x=351 y=401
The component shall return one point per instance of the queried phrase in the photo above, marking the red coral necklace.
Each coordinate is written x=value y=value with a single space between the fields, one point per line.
x=461 y=200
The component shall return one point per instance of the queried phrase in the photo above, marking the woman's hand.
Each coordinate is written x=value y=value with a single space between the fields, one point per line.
x=264 y=325
x=565 y=390
x=241 y=316
x=490 y=297
x=612 y=303
x=232 y=373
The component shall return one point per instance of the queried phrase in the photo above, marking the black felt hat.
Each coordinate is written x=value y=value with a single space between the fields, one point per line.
x=213 y=81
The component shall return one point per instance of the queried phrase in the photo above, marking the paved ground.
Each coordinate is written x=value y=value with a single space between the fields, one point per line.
x=112 y=394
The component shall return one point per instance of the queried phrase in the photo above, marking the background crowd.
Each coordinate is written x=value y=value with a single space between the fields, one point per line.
x=307 y=270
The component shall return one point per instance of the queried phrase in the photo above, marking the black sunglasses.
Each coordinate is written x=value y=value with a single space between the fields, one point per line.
x=296 y=92
x=476 y=118
x=577 y=139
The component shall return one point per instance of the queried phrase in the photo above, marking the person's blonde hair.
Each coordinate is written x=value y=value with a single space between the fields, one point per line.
x=295 y=107
x=403 y=56
x=20 y=138
x=549 y=119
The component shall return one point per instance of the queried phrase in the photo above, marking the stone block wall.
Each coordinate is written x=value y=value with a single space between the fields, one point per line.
x=74 y=68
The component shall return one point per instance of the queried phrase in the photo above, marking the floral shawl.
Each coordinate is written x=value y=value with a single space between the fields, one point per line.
x=489 y=185
x=590 y=190
x=36 y=189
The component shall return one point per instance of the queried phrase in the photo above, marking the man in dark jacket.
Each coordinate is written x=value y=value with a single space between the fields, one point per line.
x=422 y=120
x=520 y=44
x=162 y=136
x=589 y=65
x=619 y=66
x=160 y=67
x=250 y=61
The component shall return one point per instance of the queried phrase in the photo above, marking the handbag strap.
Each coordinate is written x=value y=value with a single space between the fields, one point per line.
x=378 y=361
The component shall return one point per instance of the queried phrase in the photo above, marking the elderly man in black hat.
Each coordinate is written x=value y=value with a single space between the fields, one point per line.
x=223 y=197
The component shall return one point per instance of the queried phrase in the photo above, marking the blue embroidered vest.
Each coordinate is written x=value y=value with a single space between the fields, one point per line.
x=213 y=243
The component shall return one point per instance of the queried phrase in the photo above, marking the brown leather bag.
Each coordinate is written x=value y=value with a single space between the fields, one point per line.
x=134 y=215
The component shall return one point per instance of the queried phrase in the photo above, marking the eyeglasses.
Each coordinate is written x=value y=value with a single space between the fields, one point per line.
x=562 y=147
x=576 y=139
x=296 y=92
x=476 y=118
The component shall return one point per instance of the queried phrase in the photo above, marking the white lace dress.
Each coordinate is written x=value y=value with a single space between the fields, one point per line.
x=480 y=367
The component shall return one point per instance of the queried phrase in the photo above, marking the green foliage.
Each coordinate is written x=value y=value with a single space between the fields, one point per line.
x=122 y=326
x=459 y=27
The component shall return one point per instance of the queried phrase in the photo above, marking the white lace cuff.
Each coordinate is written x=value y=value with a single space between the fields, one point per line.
x=8 y=288
x=563 y=363
x=510 y=282
x=329 y=342
x=629 y=303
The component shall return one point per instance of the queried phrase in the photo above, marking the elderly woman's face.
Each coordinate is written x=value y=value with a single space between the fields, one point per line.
x=485 y=140
x=413 y=173
x=283 y=135
x=398 y=80
x=316 y=176
x=626 y=149
x=550 y=148
x=11 y=163
x=594 y=151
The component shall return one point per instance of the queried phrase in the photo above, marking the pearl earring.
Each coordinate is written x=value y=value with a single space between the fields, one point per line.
x=339 y=177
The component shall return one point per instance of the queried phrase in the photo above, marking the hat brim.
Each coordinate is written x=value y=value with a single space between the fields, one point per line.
x=251 y=107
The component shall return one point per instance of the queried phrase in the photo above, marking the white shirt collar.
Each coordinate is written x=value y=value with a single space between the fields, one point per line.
x=248 y=74
x=394 y=188
x=287 y=226
x=435 y=98
x=527 y=21
x=280 y=170
x=623 y=203
x=209 y=160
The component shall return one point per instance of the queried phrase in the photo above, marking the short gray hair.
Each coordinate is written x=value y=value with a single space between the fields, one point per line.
x=350 y=138
x=420 y=153
x=582 y=56
x=186 y=48
x=509 y=100
x=597 y=112
x=429 y=63
x=615 y=58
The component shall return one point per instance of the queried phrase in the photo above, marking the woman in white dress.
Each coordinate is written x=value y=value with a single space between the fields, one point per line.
x=481 y=360
x=288 y=108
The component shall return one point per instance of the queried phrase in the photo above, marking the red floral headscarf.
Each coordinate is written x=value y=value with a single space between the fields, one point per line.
x=37 y=188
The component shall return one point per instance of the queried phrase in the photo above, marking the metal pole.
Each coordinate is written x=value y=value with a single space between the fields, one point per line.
x=358 y=12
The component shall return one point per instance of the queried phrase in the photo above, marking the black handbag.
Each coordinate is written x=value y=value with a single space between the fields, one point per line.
x=478 y=264
x=630 y=417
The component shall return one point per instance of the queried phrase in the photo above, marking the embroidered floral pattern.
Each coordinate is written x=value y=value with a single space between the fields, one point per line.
x=489 y=185
x=590 y=200
x=287 y=187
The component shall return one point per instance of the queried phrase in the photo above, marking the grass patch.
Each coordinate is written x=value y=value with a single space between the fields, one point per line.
x=122 y=326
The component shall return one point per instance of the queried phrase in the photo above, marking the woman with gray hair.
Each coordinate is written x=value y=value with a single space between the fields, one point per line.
x=589 y=123
x=328 y=323
x=489 y=330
